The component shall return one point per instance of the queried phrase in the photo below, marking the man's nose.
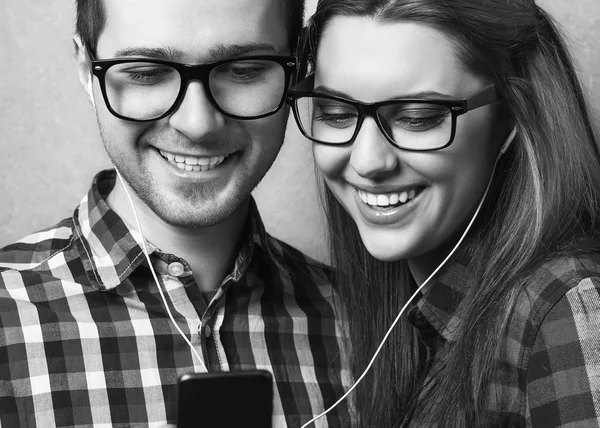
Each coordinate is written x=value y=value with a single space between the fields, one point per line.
x=196 y=116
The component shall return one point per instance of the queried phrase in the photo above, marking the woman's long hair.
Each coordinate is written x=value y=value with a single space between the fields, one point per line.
x=545 y=195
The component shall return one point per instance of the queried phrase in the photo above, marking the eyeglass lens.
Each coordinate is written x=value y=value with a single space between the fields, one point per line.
x=147 y=90
x=417 y=126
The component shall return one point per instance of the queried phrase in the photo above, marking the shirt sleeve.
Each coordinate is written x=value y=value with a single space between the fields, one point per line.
x=563 y=375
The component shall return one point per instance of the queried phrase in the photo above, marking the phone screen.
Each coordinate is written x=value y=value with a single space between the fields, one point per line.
x=225 y=399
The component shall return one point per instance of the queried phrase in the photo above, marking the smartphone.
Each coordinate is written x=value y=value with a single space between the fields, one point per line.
x=225 y=400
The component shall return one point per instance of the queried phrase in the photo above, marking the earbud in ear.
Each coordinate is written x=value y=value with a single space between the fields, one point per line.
x=508 y=141
x=91 y=91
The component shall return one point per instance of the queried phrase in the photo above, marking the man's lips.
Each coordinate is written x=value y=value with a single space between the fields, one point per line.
x=190 y=162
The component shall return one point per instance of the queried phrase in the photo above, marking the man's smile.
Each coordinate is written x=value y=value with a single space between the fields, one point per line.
x=193 y=163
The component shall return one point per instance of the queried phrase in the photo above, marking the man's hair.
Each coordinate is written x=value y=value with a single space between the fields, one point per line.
x=91 y=18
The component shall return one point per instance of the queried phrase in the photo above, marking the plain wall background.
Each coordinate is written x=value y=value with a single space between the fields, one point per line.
x=50 y=147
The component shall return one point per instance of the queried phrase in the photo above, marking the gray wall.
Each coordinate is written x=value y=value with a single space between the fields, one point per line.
x=50 y=148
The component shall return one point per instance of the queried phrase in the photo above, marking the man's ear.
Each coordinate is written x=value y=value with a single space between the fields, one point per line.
x=83 y=68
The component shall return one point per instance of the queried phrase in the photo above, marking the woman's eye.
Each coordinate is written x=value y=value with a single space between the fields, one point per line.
x=337 y=118
x=420 y=120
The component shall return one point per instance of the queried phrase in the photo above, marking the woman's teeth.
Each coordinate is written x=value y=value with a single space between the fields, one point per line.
x=387 y=199
x=193 y=163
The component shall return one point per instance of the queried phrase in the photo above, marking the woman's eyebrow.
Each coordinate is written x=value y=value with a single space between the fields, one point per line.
x=411 y=95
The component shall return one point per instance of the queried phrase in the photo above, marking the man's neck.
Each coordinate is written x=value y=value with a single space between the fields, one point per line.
x=210 y=251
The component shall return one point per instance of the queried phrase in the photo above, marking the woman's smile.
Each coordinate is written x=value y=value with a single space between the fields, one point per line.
x=384 y=207
x=405 y=203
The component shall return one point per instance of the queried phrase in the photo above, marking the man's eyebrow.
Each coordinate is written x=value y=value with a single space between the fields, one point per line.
x=420 y=95
x=235 y=50
x=167 y=53
x=216 y=53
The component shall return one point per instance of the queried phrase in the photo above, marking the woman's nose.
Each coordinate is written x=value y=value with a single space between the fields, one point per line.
x=372 y=154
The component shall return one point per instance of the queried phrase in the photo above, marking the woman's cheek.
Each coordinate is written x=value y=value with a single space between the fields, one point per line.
x=331 y=160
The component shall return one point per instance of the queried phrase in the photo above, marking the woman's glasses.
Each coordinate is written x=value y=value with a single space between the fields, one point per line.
x=409 y=124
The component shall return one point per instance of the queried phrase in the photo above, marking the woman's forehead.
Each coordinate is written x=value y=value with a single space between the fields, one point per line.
x=372 y=59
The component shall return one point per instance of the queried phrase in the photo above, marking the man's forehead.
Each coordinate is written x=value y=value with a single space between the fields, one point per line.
x=194 y=28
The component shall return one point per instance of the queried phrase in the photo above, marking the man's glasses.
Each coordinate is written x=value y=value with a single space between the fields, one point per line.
x=409 y=124
x=141 y=90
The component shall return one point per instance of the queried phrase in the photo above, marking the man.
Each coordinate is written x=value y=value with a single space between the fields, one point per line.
x=86 y=334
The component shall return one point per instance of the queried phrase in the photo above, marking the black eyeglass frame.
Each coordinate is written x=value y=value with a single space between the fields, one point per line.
x=486 y=96
x=189 y=72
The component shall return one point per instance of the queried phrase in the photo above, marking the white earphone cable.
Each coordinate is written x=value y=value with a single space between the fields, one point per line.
x=145 y=250
x=385 y=338
x=391 y=328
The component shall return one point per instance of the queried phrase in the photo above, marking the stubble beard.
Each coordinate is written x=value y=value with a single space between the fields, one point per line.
x=191 y=206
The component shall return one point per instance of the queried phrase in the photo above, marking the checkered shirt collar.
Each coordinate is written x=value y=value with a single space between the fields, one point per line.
x=112 y=250
x=442 y=301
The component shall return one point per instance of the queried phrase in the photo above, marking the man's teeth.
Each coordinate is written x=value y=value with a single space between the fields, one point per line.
x=387 y=199
x=193 y=163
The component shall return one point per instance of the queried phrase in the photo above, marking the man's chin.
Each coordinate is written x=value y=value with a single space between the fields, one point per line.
x=188 y=205
x=196 y=212
x=200 y=219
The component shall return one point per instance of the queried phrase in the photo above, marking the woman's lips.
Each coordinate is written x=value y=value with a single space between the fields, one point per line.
x=390 y=207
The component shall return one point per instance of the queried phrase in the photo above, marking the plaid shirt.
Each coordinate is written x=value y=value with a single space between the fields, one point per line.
x=85 y=339
x=549 y=374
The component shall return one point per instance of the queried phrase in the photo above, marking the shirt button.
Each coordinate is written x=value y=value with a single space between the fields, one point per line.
x=176 y=269
x=207 y=331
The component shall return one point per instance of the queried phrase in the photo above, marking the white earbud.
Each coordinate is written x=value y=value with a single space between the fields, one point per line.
x=508 y=141
x=91 y=91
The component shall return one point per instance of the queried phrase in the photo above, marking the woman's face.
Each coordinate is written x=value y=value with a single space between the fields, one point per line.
x=369 y=61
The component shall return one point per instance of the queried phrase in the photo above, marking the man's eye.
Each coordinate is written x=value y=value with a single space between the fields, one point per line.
x=146 y=75
x=246 y=72
x=242 y=73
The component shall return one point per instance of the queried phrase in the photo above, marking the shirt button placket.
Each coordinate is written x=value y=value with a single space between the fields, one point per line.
x=176 y=269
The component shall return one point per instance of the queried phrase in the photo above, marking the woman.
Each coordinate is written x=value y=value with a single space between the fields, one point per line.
x=415 y=107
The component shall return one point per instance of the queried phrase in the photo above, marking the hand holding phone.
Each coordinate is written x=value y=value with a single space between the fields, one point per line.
x=225 y=400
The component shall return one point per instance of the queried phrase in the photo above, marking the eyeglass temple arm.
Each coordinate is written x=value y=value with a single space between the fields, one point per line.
x=89 y=56
x=304 y=85
x=486 y=96
x=303 y=53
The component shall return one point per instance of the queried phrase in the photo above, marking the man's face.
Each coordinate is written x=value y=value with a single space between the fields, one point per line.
x=238 y=152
